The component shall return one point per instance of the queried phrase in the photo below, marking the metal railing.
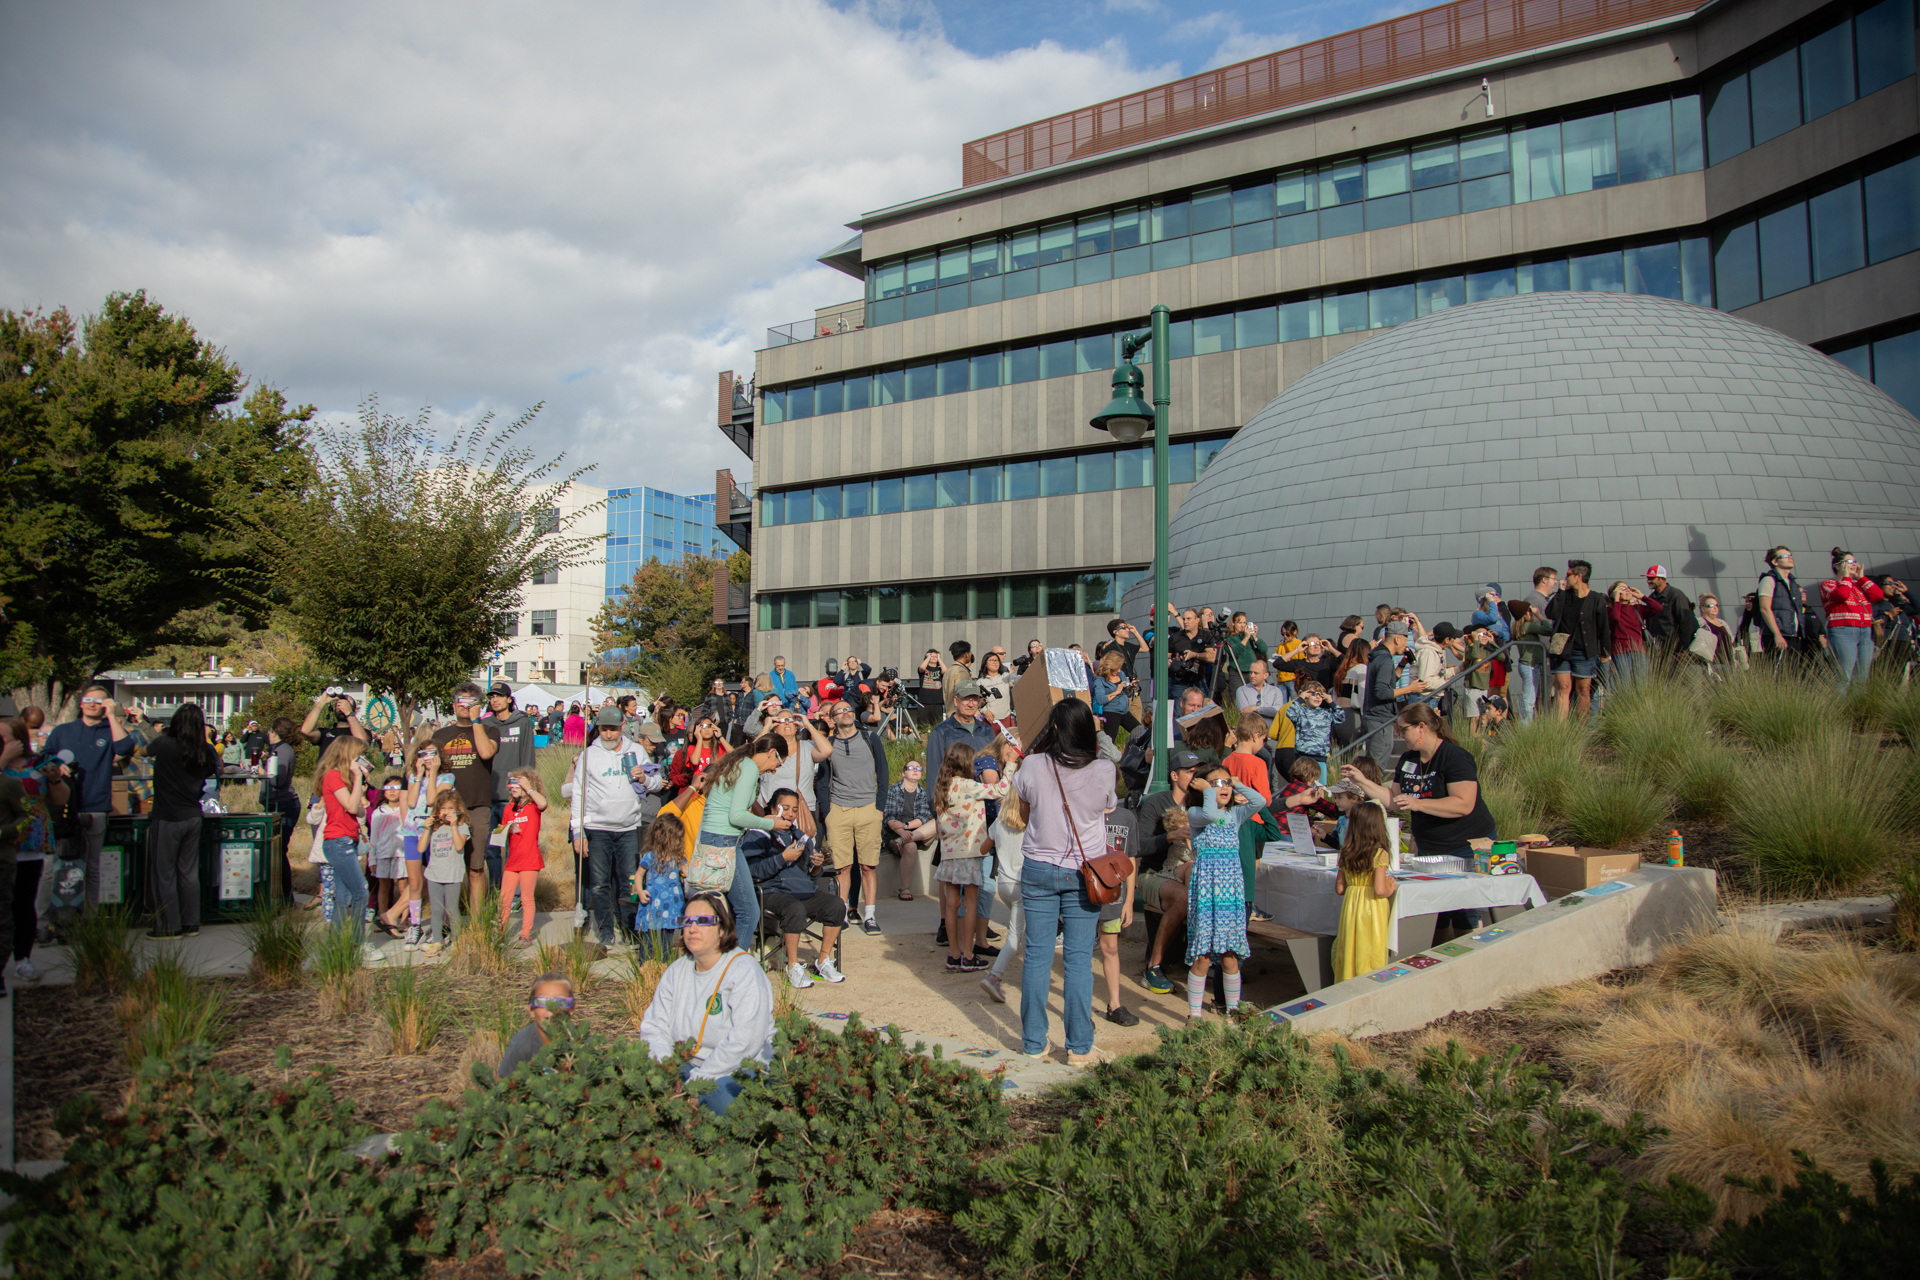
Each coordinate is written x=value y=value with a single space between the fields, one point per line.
x=807 y=330
x=1398 y=49
x=1353 y=750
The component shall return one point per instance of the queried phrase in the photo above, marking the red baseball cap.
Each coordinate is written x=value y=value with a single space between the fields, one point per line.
x=1658 y=571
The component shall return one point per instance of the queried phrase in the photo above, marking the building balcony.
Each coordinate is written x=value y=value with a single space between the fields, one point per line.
x=733 y=510
x=841 y=317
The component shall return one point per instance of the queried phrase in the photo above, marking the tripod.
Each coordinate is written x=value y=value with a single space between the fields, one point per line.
x=899 y=718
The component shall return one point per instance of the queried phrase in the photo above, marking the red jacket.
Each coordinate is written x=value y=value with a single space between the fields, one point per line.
x=1849 y=601
x=686 y=763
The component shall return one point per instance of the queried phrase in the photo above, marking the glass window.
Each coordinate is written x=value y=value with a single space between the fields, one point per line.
x=798 y=608
x=1483 y=155
x=1687 y=144
x=1896 y=368
x=1293 y=192
x=1023 y=364
x=1893 y=210
x=799 y=403
x=1597 y=273
x=1437 y=202
x=826 y=608
x=921 y=381
x=1300 y=320
x=773 y=509
x=890 y=279
x=1253 y=204
x=1646 y=142
x=1180 y=462
x=890 y=386
x=952 y=601
x=1093 y=235
x=1437 y=295
x=1096 y=593
x=952 y=375
x=1133 y=468
x=856 y=606
x=1023 y=598
x=886 y=605
x=826 y=398
x=1132 y=262
x=1436 y=165
x=1386 y=175
x=1056 y=477
x=953 y=297
x=1696 y=271
x=1783 y=251
x=986 y=484
x=1179 y=339
x=953 y=264
x=1056 y=358
x=859 y=393
x=1736 y=268
x=1094 y=472
x=1058 y=594
x=986 y=597
x=1536 y=164
x=1343 y=220
x=1093 y=353
x=1389 y=211
x=1094 y=269
x=950 y=488
x=1654 y=269
x=1209 y=245
x=1885 y=44
x=1296 y=229
x=1826 y=70
x=1170 y=220
x=916 y=603
x=1252 y=237
x=985 y=259
x=1056 y=243
x=1343 y=313
x=1204 y=453
x=1256 y=327
x=1056 y=275
x=1341 y=184
x=1492 y=192
x=1587 y=153
x=1776 y=95
x=773 y=407
x=799 y=506
x=1729 y=127
x=1389 y=306
x=1212 y=333
x=1022 y=480
x=1837 y=232
x=1129 y=228
x=1543 y=277
x=919 y=490
x=1212 y=209
x=856 y=499
x=986 y=370
x=921 y=273
x=1023 y=251
x=892 y=311
x=826 y=502
x=1859 y=359
x=889 y=495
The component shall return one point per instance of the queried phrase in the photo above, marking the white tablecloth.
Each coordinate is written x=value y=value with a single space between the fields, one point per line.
x=1298 y=892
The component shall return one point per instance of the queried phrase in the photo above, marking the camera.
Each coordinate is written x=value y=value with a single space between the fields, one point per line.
x=889 y=674
x=1213 y=634
x=1021 y=663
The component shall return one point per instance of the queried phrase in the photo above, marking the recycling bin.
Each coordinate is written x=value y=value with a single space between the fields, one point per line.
x=123 y=862
x=237 y=865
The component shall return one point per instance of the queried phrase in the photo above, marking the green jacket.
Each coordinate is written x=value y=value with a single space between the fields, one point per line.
x=1244 y=655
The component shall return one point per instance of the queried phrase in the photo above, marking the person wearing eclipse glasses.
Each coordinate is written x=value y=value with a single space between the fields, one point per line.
x=715 y=995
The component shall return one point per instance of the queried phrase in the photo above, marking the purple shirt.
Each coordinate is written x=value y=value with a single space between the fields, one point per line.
x=1090 y=792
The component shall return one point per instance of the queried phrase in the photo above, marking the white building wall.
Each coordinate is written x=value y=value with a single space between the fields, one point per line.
x=573 y=600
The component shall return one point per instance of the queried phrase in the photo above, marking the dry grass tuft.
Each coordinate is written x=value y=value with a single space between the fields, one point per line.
x=484 y=1048
x=481 y=950
x=1325 y=1044
x=644 y=979
x=345 y=995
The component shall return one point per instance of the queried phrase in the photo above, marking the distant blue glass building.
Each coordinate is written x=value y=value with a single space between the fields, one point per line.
x=650 y=524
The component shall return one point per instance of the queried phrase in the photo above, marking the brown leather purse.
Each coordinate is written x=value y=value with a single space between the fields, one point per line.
x=1103 y=877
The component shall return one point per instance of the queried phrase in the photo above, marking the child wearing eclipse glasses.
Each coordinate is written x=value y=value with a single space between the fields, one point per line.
x=549 y=1016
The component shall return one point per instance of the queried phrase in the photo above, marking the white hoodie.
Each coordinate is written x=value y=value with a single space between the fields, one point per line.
x=734 y=1000
x=601 y=793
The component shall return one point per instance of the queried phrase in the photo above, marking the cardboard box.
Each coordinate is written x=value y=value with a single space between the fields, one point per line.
x=1033 y=699
x=1563 y=869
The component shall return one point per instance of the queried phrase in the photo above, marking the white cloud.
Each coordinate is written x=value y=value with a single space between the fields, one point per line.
x=1234 y=43
x=479 y=205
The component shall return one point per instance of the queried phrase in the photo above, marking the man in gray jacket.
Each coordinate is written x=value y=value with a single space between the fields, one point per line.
x=604 y=787
x=512 y=732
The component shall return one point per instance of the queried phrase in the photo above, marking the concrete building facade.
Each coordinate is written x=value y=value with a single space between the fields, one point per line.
x=932 y=474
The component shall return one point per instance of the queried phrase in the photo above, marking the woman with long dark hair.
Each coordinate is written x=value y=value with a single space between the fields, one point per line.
x=732 y=788
x=183 y=760
x=1065 y=791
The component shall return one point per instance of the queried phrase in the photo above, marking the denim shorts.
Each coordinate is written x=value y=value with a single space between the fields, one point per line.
x=1575 y=662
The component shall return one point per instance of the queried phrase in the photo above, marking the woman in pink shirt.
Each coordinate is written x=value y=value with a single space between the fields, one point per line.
x=1628 y=609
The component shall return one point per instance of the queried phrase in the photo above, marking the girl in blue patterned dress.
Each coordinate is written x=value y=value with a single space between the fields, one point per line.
x=657 y=884
x=1216 y=889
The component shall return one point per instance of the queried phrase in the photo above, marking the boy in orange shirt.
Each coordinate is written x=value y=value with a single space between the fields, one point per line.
x=1245 y=762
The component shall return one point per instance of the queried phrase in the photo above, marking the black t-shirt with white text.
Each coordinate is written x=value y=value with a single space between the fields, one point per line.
x=1431 y=779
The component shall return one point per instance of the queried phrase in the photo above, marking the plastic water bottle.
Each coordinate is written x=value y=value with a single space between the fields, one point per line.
x=1676 y=852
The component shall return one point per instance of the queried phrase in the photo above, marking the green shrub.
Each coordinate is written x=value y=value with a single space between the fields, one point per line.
x=1820 y=817
x=207 y=1175
x=166 y=1009
x=1611 y=808
x=1652 y=724
x=1541 y=759
x=101 y=945
x=1877 y=703
x=1774 y=710
x=1705 y=784
x=278 y=939
x=1515 y=813
x=1818 y=1227
x=414 y=1010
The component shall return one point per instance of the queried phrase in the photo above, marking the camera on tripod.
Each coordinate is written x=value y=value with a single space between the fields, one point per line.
x=889 y=674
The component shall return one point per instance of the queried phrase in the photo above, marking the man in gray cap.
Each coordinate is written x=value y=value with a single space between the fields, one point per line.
x=1166 y=858
x=1381 y=701
x=965 y=725
x=604 y=788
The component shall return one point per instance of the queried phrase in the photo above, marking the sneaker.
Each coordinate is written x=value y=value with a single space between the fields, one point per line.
x=870 y=927
x=371 y=954
x=1041 y=1055
x=25 y=972
x=992 y=983
x=432 y=949
x=1257 y=916
x=1156 y=982
x=164 y=935
x=413 y=937
x=974 y=964
x=988 y=952
x=1121 y=1016
x=797 y=977
x=190 y=931
x=828 y=970
x=958 y=964
x=940 y=938
x=1092 y=1057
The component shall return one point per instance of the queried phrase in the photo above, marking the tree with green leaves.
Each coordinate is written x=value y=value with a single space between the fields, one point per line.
x=123 y=435
x=404 y=561
x=661 y=632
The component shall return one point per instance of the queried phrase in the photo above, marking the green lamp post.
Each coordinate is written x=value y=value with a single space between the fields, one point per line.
x=1128 y=418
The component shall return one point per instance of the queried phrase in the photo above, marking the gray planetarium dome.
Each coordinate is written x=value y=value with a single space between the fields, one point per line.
x=1478 y=443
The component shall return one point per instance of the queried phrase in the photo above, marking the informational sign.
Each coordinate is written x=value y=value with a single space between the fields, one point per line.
x=1300 y=827
x=381 y=714
x=236 y=872
x=112 y=859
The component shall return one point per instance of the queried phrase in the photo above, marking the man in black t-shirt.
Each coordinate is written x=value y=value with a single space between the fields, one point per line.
x=346 y=722
x=467 y=751
x=1124 y=637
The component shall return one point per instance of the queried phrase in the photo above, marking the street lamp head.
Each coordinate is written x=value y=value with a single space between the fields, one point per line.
x=1128 y=417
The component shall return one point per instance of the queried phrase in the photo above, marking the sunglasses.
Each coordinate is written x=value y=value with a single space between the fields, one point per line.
x=552 y=1004
x=93 y=702
x=704 y=922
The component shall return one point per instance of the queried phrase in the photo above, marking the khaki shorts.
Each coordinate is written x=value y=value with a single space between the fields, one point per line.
x=1146 y=896
x=480 y=823
x=855 y=833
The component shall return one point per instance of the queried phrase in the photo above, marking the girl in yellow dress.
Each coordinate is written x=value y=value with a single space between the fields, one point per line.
x=1366 y=890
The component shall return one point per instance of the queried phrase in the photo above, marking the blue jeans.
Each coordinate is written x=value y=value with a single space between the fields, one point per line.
x=1528 y=676
x=1049 y=896
x=612 y=858
x=744 y=901
x=494 y=863
x=1629 y=668
x=1852 y=648
x=349 y=884
x=725 y=1090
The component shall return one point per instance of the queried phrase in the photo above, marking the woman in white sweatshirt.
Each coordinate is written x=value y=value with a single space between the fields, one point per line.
x=715 y=995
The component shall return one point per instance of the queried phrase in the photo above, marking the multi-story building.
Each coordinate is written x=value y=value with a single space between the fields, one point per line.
x=922 y=459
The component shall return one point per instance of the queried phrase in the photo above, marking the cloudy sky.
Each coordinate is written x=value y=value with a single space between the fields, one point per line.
x=479 y=206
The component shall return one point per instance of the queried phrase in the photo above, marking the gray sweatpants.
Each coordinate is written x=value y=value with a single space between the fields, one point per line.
x=442 y=898
x=176 y=873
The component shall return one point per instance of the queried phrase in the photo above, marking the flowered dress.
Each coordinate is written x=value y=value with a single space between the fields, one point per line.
x=963 y=830
x=1216 y=889
x=667 y=898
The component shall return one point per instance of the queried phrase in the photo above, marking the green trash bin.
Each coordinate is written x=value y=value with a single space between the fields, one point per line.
x=236 y=865
x=123 y=861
